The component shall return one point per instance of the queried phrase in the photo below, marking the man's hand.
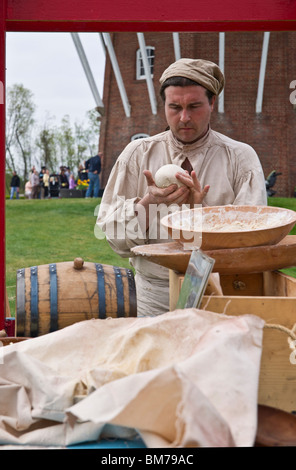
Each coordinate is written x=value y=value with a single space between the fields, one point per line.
x=190 y=194
x=196 y=193
x=155 y=195
x=170 y=195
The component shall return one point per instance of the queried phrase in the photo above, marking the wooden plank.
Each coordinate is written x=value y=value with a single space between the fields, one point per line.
x=280 y=310
x=227 y=261
x=277 y=384
x=279 y=284
x=242 y=284
x=256 y=259
x=270 y=284
x=267 y=284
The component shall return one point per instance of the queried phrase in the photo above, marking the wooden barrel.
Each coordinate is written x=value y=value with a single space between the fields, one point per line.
x=53 y=296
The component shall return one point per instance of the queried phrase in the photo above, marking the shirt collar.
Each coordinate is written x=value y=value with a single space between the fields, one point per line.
x=184 y=148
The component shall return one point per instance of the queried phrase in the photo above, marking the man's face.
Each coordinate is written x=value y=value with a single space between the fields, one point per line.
x=188 y=112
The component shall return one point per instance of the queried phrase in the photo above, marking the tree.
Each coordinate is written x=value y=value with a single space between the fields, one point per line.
x=66 y=143
x=19 y=125
x=81 y=143
x=46 y=141
x=87 y=137
x=93 y=131
x=47 y=144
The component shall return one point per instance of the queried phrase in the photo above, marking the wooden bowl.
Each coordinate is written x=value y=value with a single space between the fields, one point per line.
x=276 y=428
x=218 y=227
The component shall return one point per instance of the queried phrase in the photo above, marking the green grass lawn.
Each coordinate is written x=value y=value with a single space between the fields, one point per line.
x=57 y=230
x=287 y=203
x=52 y=231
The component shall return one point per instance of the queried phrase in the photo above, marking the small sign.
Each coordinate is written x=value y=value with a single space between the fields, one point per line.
x=195 y=280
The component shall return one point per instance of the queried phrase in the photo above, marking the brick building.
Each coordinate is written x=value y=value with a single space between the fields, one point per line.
x=268 y=126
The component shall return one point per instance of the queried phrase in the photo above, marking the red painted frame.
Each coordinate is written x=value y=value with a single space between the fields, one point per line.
x=127 y=15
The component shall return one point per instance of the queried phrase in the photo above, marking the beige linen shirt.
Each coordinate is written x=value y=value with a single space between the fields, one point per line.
x=231 y=168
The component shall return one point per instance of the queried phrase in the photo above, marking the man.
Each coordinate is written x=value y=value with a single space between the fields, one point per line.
x=15 y=185
x=46 y=183
x=220 y=171
x=41 y=182
x=63 y=179
x=94 y=170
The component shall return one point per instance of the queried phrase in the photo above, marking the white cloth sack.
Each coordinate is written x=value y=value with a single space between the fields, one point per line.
x=187 y=378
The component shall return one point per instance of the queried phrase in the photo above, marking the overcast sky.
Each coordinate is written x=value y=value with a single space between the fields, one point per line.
x=48 y=65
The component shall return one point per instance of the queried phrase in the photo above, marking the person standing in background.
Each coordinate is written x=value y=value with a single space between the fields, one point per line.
x=94 y=170
x=72 y=183
x=15 y=185
x=28 y=190
x=34 y=179
x=46 y=183
x=64 y=182
x=82 y=172
x=41 y=186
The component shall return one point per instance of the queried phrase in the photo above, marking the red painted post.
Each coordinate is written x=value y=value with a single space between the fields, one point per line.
x=128 y=15
x=2 y=165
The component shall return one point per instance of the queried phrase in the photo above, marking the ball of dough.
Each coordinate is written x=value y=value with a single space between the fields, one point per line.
x=166 y=175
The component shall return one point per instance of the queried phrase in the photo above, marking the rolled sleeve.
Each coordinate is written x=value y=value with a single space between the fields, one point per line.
x=117 y=216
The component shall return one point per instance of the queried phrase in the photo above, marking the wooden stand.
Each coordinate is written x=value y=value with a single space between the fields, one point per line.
x=251 y=284
x=272 y=297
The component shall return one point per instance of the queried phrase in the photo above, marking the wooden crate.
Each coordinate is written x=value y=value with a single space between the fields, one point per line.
x=272 y=297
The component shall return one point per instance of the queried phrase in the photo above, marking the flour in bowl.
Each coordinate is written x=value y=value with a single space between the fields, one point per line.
x=228 y=221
